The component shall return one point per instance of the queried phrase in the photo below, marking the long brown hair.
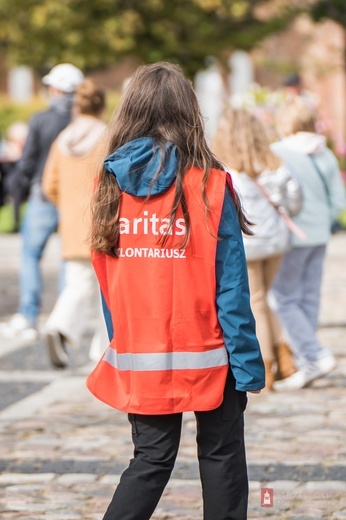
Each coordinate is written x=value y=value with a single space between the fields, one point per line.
x=241 y=142
x=158 y=102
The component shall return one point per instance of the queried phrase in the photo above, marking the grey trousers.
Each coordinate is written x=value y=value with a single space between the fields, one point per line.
x=295 y=296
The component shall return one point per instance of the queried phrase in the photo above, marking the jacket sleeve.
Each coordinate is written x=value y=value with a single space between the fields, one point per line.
x=107 y=317
x=99 y=263
x=50 y=179
x=233 y=303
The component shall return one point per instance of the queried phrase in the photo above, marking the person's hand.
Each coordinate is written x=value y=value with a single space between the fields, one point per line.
x=254 y=391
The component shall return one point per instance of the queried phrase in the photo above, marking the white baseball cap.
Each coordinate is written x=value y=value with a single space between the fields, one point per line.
x=64 y=77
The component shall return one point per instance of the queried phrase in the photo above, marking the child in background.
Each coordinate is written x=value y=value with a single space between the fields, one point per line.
x=297 y=286
x=266 y=188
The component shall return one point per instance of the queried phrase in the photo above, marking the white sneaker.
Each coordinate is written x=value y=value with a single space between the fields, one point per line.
x=19 y=325
x=319 y=368
x=293 y=382
x=325 y=365
x=302 y=378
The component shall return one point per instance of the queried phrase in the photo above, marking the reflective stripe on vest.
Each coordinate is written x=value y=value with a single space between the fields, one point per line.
x=166 y=360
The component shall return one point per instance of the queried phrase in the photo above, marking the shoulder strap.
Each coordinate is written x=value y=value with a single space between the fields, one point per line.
x=292 y=226
x=321 y=176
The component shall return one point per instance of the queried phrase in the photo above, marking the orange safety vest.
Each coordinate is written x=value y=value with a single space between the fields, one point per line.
x=167 y=354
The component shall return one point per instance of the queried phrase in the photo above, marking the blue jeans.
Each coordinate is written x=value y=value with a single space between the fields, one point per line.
x=39 y=224
x=296 y=291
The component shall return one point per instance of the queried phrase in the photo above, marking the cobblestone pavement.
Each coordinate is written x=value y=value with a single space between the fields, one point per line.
x=62 y=451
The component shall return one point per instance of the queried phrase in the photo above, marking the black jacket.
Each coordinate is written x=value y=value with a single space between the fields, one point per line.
x=44 y=128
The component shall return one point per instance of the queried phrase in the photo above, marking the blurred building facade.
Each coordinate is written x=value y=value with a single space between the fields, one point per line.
x=317 y=52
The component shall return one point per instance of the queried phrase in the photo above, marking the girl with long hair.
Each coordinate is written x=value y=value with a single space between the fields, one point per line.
x=268 y=191
x=168 y=252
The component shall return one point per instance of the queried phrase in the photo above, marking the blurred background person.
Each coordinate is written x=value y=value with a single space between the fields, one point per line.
x=11 y=191
x=266 y=187
x=68 y=183
x=293 y=86
x=41 y=217
x=296 y=289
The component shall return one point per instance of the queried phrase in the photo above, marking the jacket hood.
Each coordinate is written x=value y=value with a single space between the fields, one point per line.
x=80 y=136
x=136 y=163
x=306 y=143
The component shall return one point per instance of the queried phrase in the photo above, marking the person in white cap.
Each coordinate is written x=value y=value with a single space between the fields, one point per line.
x=41 y=217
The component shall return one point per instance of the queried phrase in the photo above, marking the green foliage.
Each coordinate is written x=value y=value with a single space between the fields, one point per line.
x=333 y=9
x=11 y=112
x=342 y=219
x=96 y=33
x=7 y=221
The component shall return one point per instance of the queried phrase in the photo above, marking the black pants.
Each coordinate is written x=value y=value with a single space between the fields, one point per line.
x=221 y=455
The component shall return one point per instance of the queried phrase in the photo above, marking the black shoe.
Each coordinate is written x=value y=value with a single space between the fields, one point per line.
x=56 y=348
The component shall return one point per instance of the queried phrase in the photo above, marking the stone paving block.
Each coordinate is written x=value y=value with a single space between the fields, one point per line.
x=25 y=478
x=75 y=478
x=325 y=485
x=110 y=479
x=63 y=515
x=282 y=485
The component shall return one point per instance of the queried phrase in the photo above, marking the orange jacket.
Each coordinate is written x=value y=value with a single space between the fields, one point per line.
x=167 y=354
